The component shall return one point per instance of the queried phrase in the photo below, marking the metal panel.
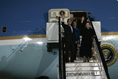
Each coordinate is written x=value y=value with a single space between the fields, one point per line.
x=52 y=32
x=97 y=27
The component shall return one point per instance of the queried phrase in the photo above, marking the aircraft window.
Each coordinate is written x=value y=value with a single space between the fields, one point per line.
x=4 y=29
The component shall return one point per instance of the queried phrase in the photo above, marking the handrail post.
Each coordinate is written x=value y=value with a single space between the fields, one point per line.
x=60 y=67
x=61 y=55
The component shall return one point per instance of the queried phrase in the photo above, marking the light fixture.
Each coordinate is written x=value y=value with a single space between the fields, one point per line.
x=27 y=39
x=39 y=43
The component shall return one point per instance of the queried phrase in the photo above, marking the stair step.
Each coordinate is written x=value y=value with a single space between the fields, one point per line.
x=82 y=61
x=81 y=64
x=81 y=73
x=76 y=61
x=81 y=68
x=86 y=77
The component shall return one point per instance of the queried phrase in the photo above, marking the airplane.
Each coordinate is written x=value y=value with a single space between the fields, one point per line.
x=24 y=37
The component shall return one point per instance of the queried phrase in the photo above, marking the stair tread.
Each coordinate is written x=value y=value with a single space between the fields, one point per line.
x=81 y=64
x=83 y=70
x=92 y=72
x=85 y=77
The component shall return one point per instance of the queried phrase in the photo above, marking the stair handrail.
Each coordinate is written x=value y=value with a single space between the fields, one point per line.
x=100 y=52
x=62 y=74
x=97 y=55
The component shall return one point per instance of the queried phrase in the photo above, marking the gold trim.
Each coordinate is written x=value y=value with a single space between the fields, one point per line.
x=20 y=37
x=44 y=36
x=109 y=33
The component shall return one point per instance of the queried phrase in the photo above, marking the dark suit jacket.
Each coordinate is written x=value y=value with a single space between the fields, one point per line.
x=68 y=35
x=91 y=19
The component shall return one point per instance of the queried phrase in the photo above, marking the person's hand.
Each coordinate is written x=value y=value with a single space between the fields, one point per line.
x=56 y=16
x=83 y=18
x=63 y=16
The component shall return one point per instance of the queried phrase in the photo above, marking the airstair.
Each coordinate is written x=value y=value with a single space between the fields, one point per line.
x=86 y=70
x=96 y=68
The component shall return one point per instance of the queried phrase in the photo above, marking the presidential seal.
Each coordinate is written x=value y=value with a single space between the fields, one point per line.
x=110 y=53
x=62 y=12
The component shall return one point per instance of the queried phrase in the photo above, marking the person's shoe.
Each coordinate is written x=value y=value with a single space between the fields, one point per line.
x=84 y=61
x=88 y=60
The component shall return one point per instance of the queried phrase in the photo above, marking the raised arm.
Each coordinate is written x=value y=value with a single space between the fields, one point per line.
x=83 y=21
x=63 y=24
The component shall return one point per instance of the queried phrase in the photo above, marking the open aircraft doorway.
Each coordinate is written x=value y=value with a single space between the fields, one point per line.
x=74 y=15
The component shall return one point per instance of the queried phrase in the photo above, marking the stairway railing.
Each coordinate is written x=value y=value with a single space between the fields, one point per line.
x=62 y=71
x=100 y=53
x=99 y=61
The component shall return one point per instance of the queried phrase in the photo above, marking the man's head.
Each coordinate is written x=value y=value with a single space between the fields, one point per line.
x=69 y=22
x=74 y=24
x=89 y=14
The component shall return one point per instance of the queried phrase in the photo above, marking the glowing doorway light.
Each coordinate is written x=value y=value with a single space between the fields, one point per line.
x=39 y=43
x=27 y=39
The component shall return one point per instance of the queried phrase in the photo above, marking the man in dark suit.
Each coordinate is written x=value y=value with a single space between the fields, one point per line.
x=70 y=40
x=89 y=17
